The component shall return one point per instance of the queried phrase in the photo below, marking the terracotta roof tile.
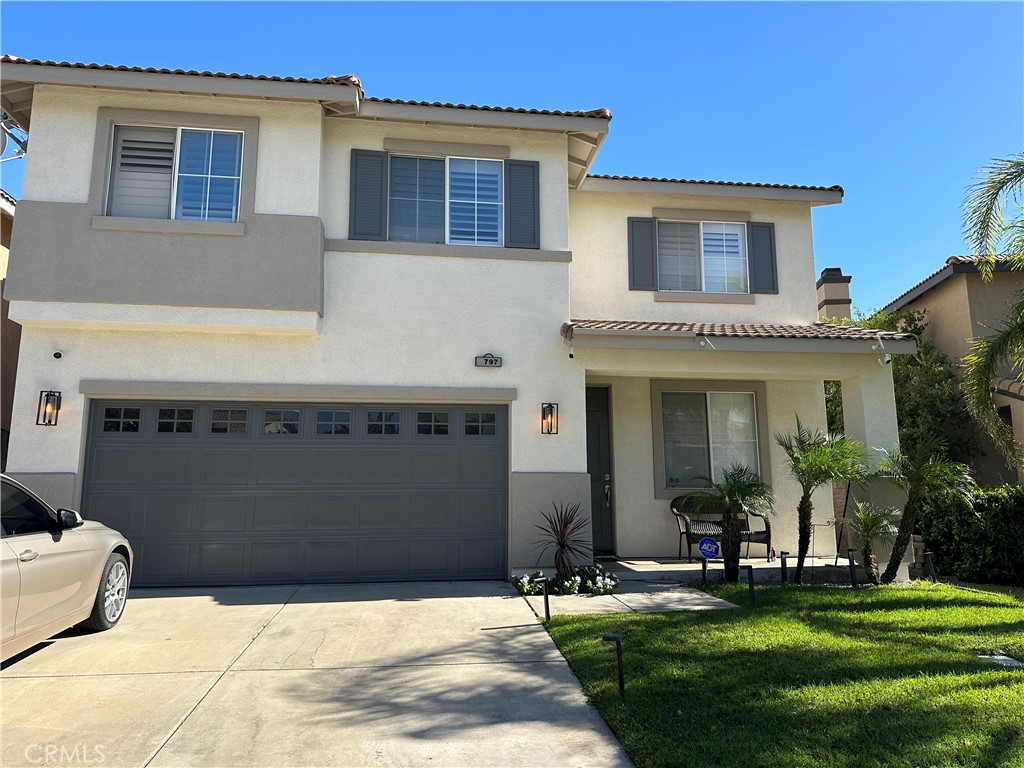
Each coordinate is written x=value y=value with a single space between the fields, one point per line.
x=935 y=278
x=349 y=80
x=602 y=113
x=833 y=188
x=1011 y=387
x=7 y=197
x=741 y=330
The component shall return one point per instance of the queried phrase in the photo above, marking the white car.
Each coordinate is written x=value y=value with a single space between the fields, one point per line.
x=57 y=570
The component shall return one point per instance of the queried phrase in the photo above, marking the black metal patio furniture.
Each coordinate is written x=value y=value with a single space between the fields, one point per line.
x=693 y=526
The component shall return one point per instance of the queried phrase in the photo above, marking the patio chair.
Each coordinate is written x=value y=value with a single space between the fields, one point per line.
x=693 y=526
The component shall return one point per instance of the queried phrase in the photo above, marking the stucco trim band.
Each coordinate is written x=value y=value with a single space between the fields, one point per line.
x=698 y=297
x=168 y=226
x=214 y=390
x=457 y=251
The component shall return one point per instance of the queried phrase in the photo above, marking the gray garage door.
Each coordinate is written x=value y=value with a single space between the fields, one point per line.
x=249 y=493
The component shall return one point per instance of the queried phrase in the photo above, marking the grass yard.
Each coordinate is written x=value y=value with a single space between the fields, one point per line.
x=811 y=676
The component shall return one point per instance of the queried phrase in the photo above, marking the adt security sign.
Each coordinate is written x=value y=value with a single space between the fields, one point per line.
x=708 y=547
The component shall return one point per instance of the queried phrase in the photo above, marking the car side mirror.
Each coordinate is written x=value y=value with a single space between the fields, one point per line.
x=69 y=518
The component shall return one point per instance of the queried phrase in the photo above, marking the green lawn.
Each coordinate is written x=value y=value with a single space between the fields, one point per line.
x=817 y=677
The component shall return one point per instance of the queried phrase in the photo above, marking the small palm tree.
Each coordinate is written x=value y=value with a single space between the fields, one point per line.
x=740 y=491
x=814 y=460
x=870 y=524
x=563 y=529
x=922 y=473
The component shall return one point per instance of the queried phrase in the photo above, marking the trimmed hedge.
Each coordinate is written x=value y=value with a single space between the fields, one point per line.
x=984 y=545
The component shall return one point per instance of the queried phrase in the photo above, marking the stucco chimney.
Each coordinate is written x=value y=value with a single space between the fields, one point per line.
x=833 y=294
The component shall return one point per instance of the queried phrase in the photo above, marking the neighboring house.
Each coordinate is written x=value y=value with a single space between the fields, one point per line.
x=960 y=306
x=10 y=331
x=278 y=304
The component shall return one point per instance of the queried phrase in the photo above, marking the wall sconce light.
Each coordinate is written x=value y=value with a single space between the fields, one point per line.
x=549 y=418
x=49 y=409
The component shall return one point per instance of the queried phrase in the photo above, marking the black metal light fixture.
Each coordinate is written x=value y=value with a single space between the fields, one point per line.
x=49 y=408
x=549 y=418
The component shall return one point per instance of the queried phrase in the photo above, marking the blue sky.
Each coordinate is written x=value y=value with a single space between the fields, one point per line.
x=899 y=103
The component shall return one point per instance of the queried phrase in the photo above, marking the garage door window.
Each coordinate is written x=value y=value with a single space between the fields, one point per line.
x=121 y=419
x=480 y=424
x=383 y=422
x=432 y=422
x=229 y=421
x=280 y=422
x=333 y=422
x=179 y=421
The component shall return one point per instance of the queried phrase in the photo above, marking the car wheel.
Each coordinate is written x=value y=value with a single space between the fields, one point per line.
x=111 y=594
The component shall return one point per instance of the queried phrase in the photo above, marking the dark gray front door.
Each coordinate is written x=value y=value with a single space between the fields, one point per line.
x=599 y=465
x=245 y=493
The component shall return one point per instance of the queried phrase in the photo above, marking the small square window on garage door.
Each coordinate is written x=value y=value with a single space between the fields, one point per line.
x=383 y=422
x=433 y=422
x=229 y=421
x=281 y=421
x=480 y=424
x=175 y=421
x=118 y=419
x=335 y=422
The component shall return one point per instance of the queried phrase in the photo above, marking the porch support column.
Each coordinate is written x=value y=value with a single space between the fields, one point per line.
x=869 y=415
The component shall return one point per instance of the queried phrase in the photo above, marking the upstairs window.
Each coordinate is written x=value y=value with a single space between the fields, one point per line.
x=702 y=256
x=175 y=173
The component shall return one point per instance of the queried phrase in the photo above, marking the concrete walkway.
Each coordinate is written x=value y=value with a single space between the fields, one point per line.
x=632 y=597
x=445 y=674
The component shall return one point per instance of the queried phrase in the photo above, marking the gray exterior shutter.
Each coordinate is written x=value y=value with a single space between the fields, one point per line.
x=764 y=274
x=368 y=196
x=141 y=179
x=522 y=204
x=643 y=256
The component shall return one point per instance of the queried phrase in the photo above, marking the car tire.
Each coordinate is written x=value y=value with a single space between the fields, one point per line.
x=111 y=595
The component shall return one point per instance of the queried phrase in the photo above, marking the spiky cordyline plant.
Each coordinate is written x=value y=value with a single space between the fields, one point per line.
x=562 y=531
x=815 y=459
x=985 y=230
x=739 y=490
x=870 y=524
x=922 y=473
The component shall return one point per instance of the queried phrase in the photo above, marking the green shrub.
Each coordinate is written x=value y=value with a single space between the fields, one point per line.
x=984 y=544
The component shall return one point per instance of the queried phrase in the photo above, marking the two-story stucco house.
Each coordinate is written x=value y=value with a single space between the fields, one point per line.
x=279 y=307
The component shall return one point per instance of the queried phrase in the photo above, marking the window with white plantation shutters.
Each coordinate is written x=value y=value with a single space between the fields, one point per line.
x=705 y=433
x=201 y=170
x=143 y=166
x=475 y=196
x=678 y=256
x=725 y=257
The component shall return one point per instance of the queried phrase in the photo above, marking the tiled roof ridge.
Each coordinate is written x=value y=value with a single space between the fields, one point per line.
x=603 y=113
x=750 y=330
x=833 y=188
x=347 y=80
x=950 y=261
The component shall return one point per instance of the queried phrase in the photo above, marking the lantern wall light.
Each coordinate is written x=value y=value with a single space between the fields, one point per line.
x=49 y=408
x=549 y=418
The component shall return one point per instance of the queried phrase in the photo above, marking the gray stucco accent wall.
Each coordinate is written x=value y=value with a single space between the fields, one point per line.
x=55 y=488
x=533 y=493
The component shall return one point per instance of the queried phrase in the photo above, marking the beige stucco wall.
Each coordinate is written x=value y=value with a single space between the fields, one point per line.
x=59 y=168
x=342 y=135
x=600 y=270
x=644 y=526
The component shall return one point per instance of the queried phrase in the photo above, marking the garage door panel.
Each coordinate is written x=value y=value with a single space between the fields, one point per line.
x=333 y=513
x=226 y=466
x=220 y=514
x=333 y=466
x=384 y=465
x=221 y=561
x=282 y=466
x=383 y=511
x=273 y=561
x=167 y=515
x=173 y=466
x=118 y=466
x=329 y=559
x=335 y=502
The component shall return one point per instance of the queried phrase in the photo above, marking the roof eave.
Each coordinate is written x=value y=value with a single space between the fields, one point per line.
x=813 y=196
x=934 y=279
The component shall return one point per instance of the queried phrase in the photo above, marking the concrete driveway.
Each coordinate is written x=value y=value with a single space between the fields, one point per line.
x=443 y=674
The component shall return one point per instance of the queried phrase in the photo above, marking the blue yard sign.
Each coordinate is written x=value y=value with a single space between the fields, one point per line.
x=708 y=547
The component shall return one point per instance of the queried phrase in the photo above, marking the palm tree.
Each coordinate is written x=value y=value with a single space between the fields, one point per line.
x=740 y=491
x=814 y=460
x=870 y=524
x=986 y=231
x=923 y=474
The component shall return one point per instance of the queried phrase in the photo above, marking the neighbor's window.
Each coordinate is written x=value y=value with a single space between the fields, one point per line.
x=175 y=173
x=702 y=256
x=706 y=432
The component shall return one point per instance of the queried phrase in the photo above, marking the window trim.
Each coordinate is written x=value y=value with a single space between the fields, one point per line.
x=700 y=242
x=103 y=158
x=696 y=386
